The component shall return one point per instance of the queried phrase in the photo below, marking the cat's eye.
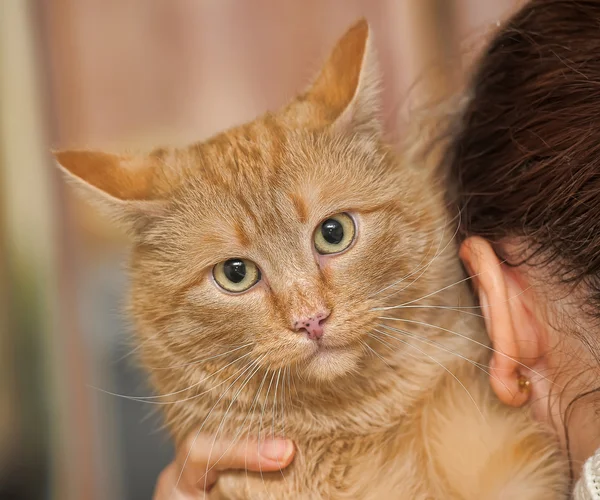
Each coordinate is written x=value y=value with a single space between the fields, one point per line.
x=236 y=275
x=335 y=234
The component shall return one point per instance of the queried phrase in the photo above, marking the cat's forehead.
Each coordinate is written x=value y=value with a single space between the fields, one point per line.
x=277 y=170
x=264 y=179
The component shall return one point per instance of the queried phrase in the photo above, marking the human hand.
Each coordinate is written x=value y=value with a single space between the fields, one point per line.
x=199 y=460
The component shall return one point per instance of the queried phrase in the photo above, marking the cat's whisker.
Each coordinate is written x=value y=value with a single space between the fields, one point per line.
x=488 y=306
x=274 y=418
x=385 y=308
x=406 y=276
x=373 y=335
x=388 y=318
x=388 y=345
x=241 y=427
x=431 y=342
x=253 y=409
x=198 y=361
x=283 y=400
x=195 y=396
x=294 y=382
x=233 y=400
x=150 y=399
x=376 y=354
x=274 y=412
x=202 y=427
x=364 y=347
x=450 y=351
x=422 y=265
x=448 y=308
x=437 y=254
x=140 y=345
x=260 y=425
x=289 y=382
x=274 y=406
x=442 y=366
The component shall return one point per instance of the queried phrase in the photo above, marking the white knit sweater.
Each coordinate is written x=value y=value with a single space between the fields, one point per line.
x=588 y=486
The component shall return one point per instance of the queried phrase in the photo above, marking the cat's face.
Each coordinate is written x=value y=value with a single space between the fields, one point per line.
x=275 y=240
x=283 y=251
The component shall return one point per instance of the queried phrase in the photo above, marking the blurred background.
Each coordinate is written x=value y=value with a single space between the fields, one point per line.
x=119 y=74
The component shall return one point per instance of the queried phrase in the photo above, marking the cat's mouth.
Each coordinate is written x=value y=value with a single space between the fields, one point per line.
x=327 y=361
x=338 y=352
x=327 y=350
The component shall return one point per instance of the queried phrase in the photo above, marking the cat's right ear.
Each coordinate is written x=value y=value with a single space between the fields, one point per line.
x=127 y=188
x=345 y=95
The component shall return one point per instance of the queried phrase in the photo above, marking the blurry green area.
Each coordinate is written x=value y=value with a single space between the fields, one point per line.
x=61 y=329
x=24 y=470
x=25 y=247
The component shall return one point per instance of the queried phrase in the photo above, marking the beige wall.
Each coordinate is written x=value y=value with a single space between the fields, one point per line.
x=143 y=71
x=118 y=73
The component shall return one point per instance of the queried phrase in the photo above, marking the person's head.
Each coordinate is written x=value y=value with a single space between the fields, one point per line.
x=526 y=170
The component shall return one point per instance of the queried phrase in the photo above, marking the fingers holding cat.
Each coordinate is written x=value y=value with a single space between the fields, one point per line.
x=200 y=458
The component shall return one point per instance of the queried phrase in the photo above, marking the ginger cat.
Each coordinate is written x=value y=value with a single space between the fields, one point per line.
x=296 y=277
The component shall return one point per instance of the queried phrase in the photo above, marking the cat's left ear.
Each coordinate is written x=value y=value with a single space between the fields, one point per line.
x=345 y=94
x=128 y=188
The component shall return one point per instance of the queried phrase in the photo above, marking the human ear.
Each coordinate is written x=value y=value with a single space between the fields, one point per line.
x=510 y=323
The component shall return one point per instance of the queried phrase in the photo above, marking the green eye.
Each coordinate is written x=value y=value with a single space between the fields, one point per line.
x=334 y=235
x=236 y=275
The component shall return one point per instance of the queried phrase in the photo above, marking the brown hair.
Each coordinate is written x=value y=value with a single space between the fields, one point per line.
x=526 y=159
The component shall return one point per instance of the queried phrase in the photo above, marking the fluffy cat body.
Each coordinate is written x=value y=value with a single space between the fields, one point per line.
x=384 y=405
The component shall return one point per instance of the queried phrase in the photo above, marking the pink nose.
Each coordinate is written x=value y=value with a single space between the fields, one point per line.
x=312 y=325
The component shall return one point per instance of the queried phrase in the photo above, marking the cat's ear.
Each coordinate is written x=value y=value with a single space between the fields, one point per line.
x=128 y=188
x=345 y=94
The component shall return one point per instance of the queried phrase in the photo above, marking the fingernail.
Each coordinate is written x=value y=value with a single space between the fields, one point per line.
x=276 y=449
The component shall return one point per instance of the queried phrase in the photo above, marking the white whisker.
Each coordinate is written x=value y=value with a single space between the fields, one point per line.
x=260 y=427
x=442 y=366
x=274 y=418
x=448 y=308
x=376 y=353
x=140 y=345
x=148 y=399
x=385 y=308
x=203 y=359
x=202 y=427
x=406 y=276
x=470 y=340
x=252 y=409
x=388 y=345
x=233 y=400
x=444 y=348
x=438 y=252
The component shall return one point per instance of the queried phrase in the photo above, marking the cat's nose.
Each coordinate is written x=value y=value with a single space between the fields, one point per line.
x=312 y=325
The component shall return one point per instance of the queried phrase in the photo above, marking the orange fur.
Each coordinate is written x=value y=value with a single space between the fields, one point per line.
x=381 y=413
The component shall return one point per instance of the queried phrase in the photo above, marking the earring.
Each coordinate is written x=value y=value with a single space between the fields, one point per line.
x=524 y=384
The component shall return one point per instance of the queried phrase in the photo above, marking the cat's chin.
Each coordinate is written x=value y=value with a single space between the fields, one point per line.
x=328 y=364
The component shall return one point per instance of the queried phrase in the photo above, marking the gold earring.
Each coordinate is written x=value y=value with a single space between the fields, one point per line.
x=524 y=384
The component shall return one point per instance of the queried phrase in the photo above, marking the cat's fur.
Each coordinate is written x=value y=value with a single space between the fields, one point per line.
x=406 y=417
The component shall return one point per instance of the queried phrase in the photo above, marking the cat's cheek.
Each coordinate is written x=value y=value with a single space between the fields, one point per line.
x=329 y=264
